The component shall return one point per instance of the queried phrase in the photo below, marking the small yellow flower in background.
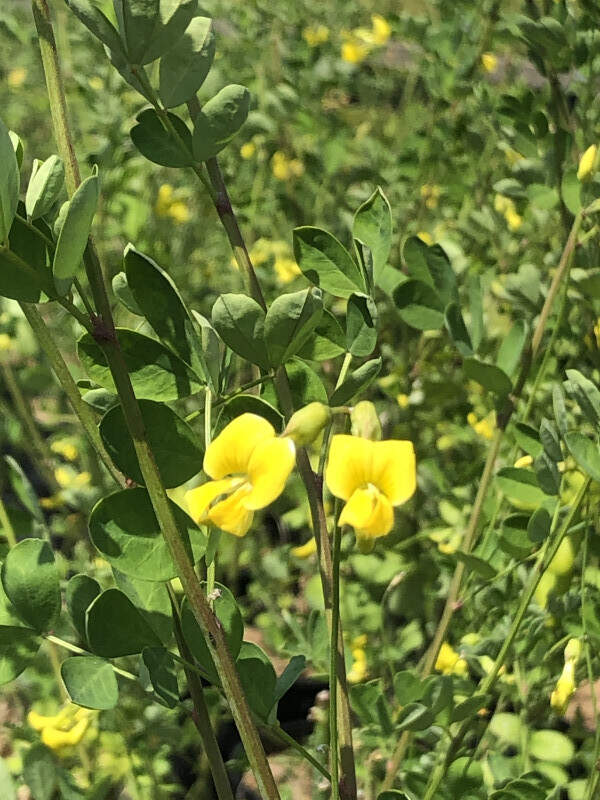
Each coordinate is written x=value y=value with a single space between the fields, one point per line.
x=505 y=206
x=247 y=150
x=586 y=163
x=358 y=671
x=512 y=157
x=6 y=342
x=470 y=639
x=425 y=237
x=249 y=466
x=502 y=203
x=452 y=544
x=430 y=192
x=284 y=168
x=96 y=83
x=513 y=220
x=485 y=427
x=65 y=449
x=52 y=503
x=63 y=730
x=167 y=206
x=382 y=30
x=523 y=462
x=286 y=269
x=449 y=661
x=372 y=477
x=489 y=62
x=305 y=550
x=68 y=479
x=16 y=77
x=403 y=400
x=354 y=51
x=315 y=35
x=565 y=686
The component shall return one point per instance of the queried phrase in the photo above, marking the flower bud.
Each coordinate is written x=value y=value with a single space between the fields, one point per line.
x=365 y=422
x=573 y=650
x=307 y=423
x=586 y=163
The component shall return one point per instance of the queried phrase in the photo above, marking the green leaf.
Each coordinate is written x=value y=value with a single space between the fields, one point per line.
x=161 y=672
x=483 y=568
x=32 y=583
x=18 y=647
x=550 y=441
x=458 y=330
x=489 y=376
x=289 y=322
x=326 y=262
x=372 y=227
x=74 y=233
x=414 y=717
x=124 y=528
x=156 y=373
x=174 y=17
x=432 y=266
x=305 y=384
x=157 y=144
x=538 y=527
x=469 y=707
x=475 y=310
x=45 y=187
x=116 y=628
x=7 y=786
x=294 y=668
x=361 y=325
x=585 y=452
x=39 y=772
x=520 y=487
x=90 y=681
x=177 y=450
x=528 y=439
x=407 y=687
x=24 y=273
x=81 y=591
x=124 y=295
x=419 y=305
x=184 y=68
x=327 y=340
x=571 y=191
x=21 y=486
x=228 y=613
x=96 y=22
x=511 y=348
x=369 y=702
x=100 y=399
x=586 y=394
x=151 y=599
x=393 y=794
x=560 y=409
x=239 y=321
x=9 y=183
x=219 y=121
x=356 y=381
x=547 y=474
x=137 y=21
x=249 y=403
x=258 y=679
x=551 y=746
x=514 y=537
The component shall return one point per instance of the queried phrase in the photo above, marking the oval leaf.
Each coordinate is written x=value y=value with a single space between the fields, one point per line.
x=184 y=68
x=74 y=233
x=45 y=187
x=219 y=121
x=116 y=628
x=326 y=262
x=32 y=583
x=90 y=682
x=157 y=144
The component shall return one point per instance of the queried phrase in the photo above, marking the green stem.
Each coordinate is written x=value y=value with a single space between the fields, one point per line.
x=590 y=672
x=7 y=528
x=334 y=657
x=217 y=403
x=211 y=568
x=277 y=731
x=106 y=337
x=80 y=407
x=73 y=648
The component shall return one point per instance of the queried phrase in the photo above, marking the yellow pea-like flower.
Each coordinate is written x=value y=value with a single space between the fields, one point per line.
x=489 y=62
x=382 y=30
x=305 y=550
x=372 y=477
x=449 y=661
x=249 y=466
x=586 y=163
x=565 y=686
x=247 y=150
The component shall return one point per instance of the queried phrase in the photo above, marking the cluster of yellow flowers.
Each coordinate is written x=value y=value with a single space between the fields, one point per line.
x=63 y=730
x=565 y=686
x=6 y=342
x=284 y=168
x=359 y=42
x=505 y=206
x=167 y=204
x=484 y=427
x=430 y=193
x=65 y=448
x=449 y=662
x=67 y=478
x=358 y=671
x=284 y=264
x=249 y=466
x=314 y=35
x=16 y=77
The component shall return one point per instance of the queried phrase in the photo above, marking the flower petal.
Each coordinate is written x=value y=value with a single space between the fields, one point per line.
x=230 y=514
x=348 y=465
x=231 y=450
x=199 y=499
x=369 y=512
x=268 y=470
x=393 y=469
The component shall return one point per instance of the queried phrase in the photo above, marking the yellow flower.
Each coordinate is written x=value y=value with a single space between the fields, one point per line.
x=382 y=29
x=247 y=150
x=513 y=220
x=65 y=449
x=51 y=503
x=425 y=237
x=305 y=550
x=512 y=156
x=5 y=342
x=249 y=466
x=449 y=662
x=573 y=650
x=65 y=729
x=354 y=51
x=286 y=269
x=96 y=83
x=16 y=77
x=179 y=211
x=565 y=686
x=524 y=461
x=586 y=163
x=315 y=35
x=167 y=206
x=489 y=62
x=430 y=192
x=372 y=477
x=358 y=671
x=485 y=427
x=503 y=204
x=284 y=168
x=68 y=479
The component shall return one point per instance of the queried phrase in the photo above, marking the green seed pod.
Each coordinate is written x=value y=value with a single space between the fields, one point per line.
x=307 y=423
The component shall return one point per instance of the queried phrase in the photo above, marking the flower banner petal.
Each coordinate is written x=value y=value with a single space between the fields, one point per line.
x=268 y=470
x=348 y=465
x=230 y=452
x=393 y=469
